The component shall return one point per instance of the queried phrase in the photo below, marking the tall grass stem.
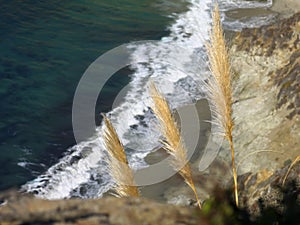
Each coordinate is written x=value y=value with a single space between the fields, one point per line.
x=220 y=87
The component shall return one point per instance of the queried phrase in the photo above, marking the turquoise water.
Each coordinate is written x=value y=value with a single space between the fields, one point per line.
x=45 y=48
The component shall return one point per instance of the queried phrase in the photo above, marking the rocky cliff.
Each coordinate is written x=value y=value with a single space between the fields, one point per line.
x=266 y=63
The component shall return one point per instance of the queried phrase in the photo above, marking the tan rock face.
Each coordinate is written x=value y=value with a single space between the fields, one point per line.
x=266 y=111
x=265 y=40
x=266 y=93
x=286 y=7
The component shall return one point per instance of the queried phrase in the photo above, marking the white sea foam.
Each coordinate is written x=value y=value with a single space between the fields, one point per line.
x=176 y=64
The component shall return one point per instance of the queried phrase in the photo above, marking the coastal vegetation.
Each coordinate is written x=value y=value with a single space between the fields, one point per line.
x=220 y=88
x=172 y=141
x=220 y=95
x=118 y=164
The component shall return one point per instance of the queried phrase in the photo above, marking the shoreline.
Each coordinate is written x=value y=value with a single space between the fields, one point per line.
x=179 y=193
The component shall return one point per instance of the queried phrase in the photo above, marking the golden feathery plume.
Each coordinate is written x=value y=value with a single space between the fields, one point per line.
x=219 y=86
x=119 y=168
x=173 y=143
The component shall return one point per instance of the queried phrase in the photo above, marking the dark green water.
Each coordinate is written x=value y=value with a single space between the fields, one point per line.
x=45 y=47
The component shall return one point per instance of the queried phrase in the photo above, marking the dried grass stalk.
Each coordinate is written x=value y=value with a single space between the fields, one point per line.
x=290 y=168
x=219 y=86
x=119 y=168
x=173 y=143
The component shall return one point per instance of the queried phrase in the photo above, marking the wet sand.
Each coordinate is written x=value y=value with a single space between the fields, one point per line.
x=156 y=191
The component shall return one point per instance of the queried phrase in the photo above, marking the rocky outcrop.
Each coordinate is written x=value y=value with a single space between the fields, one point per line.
x=21 y=210
x=266 y=85
x=286 y=8
x=282 y=36
x=270 y=190
x=259 y=193
x=266 y=93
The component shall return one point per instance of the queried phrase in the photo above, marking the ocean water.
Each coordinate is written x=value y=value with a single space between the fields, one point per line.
x=45 y=49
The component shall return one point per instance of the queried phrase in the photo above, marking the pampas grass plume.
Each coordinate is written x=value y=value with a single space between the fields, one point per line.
x=219 y=86
x=172 y=143
x=119 y=168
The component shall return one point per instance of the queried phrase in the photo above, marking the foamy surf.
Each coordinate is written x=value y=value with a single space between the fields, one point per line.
x=177 y=64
